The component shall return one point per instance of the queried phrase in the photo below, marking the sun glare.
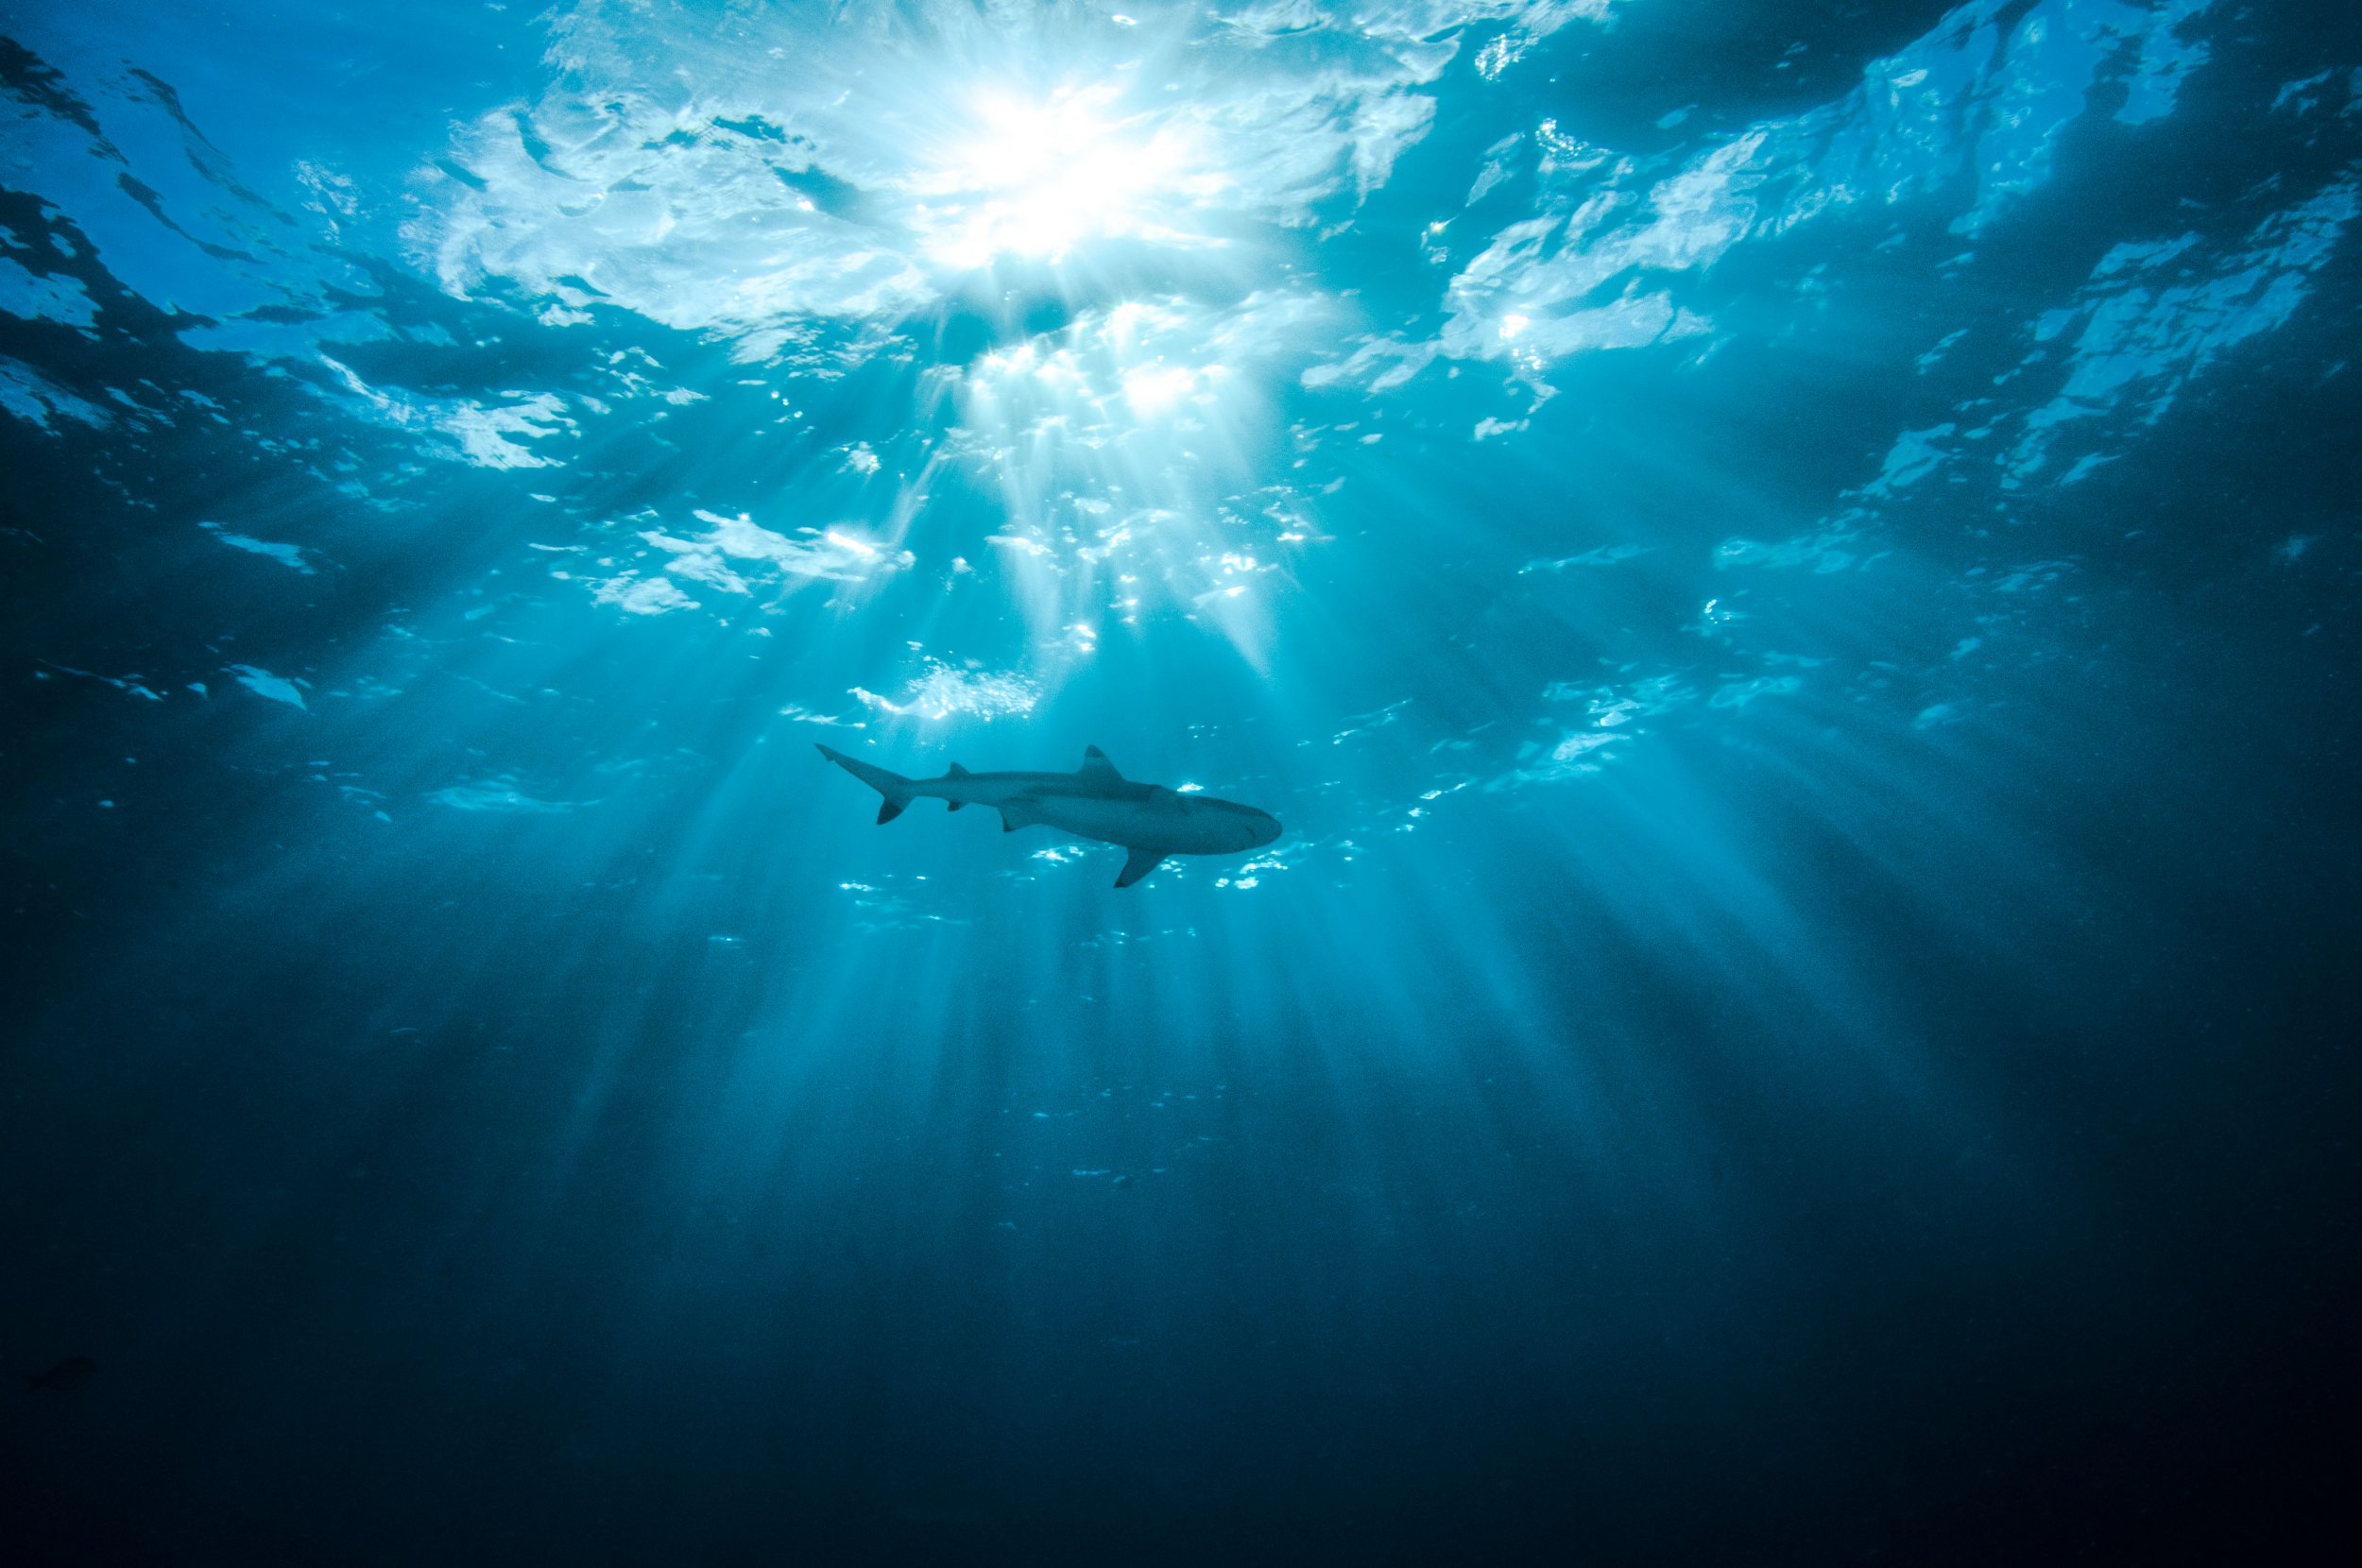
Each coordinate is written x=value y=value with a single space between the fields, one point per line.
x=1036 y=178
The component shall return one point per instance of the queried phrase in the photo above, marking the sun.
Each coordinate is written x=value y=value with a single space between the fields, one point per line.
x=1037 y=176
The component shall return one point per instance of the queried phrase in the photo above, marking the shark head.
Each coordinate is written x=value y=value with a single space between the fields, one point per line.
x=1241 y=828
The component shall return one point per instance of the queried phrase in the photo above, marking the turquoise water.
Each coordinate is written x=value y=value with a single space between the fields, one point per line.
x=1790 y=574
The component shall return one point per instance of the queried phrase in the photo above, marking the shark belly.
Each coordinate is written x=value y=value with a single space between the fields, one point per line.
x=1134 y=823
x=1029 y=800
x=1121 y=822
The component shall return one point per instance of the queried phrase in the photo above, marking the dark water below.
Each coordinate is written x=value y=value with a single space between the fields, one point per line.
x=1790 y=571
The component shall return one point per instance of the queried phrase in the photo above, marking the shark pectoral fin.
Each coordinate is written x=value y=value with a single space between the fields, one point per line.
x=1020 y=811
x=889 y=808
x=1142 y=862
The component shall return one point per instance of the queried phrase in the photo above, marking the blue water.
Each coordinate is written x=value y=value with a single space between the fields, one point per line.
x=1790 y=572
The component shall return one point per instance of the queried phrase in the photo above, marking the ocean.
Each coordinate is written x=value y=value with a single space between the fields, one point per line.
x=1786 y=573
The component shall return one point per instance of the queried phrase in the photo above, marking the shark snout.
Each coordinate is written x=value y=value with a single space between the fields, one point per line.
x=1262 y=827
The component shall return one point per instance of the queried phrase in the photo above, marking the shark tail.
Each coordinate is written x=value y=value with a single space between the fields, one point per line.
x=895 y=789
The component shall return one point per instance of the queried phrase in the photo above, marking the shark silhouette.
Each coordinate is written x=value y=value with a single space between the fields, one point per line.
x=1092 y=802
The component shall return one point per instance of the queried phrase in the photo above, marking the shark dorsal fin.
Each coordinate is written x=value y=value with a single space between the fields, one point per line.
x=955 y=771
x=1096 y=766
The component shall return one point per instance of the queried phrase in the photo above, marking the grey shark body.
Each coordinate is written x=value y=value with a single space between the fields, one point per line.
x=1092 y=802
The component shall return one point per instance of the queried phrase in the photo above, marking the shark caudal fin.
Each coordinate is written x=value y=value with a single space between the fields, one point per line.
x=895 y=789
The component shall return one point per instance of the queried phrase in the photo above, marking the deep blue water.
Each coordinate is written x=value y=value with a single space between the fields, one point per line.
x=1790 y=569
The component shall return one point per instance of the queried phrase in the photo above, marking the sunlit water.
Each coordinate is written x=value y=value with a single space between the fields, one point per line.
x=1792 y=575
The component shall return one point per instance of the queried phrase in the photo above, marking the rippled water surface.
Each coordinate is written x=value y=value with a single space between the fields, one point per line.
x=1790 y=571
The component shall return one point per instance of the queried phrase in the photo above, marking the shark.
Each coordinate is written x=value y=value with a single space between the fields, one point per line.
x=1092 y=802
